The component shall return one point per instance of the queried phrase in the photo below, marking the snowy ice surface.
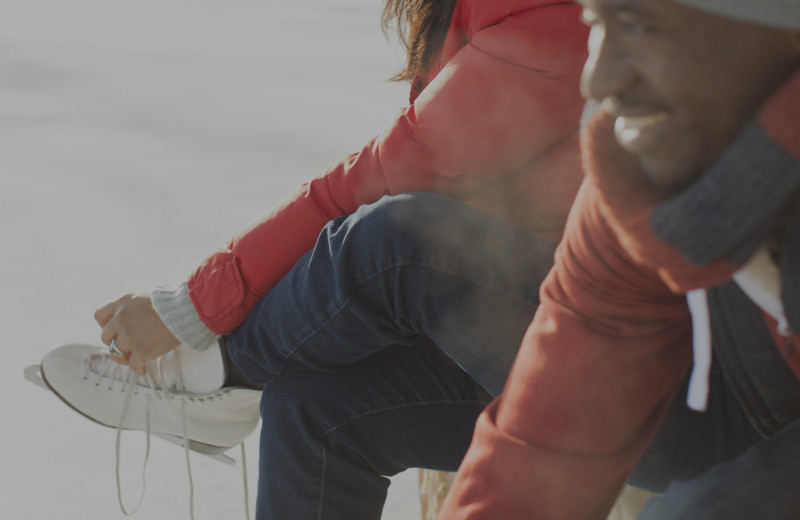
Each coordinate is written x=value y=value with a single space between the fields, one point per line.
x=136 y=137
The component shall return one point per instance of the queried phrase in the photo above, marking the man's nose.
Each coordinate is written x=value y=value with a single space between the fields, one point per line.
x=607 y=71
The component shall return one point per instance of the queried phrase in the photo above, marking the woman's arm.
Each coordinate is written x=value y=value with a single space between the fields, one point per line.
x=504 y=104
x=502 y=101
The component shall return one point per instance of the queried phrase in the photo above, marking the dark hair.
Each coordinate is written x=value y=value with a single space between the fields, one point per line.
x=421 y=26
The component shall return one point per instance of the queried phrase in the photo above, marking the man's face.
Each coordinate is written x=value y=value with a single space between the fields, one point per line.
x=682 y=83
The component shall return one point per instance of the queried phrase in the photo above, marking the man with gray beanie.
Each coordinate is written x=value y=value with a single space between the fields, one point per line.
x=686 y=228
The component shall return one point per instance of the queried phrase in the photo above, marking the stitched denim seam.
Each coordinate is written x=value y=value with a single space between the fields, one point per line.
x=322 y=481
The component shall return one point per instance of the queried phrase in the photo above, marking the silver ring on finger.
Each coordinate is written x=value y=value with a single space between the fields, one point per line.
x=114 y=350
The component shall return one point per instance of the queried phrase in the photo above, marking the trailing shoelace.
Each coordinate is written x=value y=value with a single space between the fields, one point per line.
x=155 y=381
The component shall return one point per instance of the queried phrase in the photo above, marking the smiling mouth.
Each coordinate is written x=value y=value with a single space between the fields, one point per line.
x=638 y=133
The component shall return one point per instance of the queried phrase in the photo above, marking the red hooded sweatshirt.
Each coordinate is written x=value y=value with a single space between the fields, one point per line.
x=612 y=339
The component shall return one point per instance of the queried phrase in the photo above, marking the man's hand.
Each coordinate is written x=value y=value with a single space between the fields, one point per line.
x=137 y=329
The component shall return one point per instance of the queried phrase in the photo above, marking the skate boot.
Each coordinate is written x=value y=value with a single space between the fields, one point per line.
x=181 y=398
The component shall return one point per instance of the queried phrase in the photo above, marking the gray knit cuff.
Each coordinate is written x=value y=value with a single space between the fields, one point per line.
x=173 y=305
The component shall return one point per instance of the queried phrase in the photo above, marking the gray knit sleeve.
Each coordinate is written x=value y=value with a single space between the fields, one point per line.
x=173 y=305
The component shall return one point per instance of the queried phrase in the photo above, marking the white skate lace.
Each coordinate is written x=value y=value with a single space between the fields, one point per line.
x=156 y=381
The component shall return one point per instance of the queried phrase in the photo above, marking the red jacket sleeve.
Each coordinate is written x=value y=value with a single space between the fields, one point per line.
x=601 y=361
x=503 y=100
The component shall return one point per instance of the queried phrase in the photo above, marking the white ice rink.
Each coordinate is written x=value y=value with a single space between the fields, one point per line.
x=136 y=137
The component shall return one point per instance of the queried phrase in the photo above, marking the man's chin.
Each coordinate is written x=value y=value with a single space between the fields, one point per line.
x=669 y=178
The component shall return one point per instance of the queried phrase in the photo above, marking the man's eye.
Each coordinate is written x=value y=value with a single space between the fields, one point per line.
x=634 y=29
x=632 y=24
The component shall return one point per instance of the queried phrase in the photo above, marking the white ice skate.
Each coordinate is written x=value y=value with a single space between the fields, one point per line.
x=179 y=399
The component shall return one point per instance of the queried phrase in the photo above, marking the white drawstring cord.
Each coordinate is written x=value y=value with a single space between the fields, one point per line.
x=697 y=398
x=760 y=279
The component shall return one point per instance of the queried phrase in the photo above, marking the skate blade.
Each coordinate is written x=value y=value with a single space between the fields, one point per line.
x=33 y=373
x=214 y=452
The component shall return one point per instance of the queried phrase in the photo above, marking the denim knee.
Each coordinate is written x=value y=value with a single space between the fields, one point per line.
x=285 y=403
x=425 y=227
x=398 y=219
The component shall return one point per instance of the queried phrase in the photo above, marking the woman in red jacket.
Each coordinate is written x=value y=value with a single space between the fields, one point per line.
x=382 y=304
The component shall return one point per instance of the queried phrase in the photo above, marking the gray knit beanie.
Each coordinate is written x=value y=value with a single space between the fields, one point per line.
x=776 y=13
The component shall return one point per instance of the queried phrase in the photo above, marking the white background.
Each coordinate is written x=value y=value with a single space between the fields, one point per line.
x=136 y=137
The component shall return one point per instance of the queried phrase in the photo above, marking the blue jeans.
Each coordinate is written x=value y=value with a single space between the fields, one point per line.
x=689 y=443
x=762 y=483
x=380 y=348
x=383 y=344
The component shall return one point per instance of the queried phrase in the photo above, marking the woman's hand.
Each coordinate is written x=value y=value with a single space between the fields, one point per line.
x=137 y=329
